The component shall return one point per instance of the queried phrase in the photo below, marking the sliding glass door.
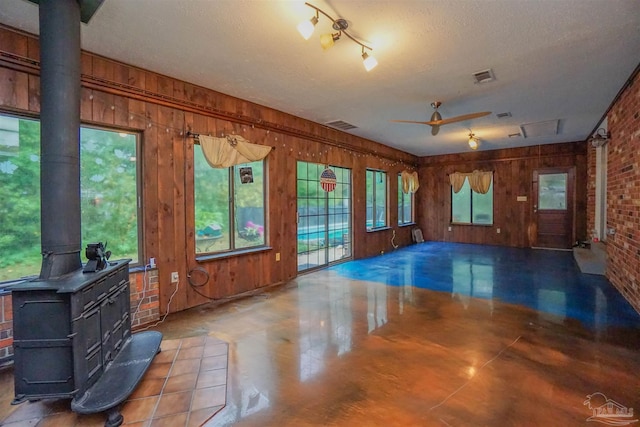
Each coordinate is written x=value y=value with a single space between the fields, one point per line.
x=324 y=215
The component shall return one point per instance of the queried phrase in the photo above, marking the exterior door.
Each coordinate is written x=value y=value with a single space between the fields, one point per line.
x=324 y=217
x=553 y=208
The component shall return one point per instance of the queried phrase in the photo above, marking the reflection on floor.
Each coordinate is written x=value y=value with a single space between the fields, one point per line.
x=547 y=281
x=430 y=335
x=184 y=386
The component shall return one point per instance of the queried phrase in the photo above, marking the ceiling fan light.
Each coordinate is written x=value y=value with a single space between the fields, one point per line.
x=306 y=28
x=473 y=142
x=369 y=62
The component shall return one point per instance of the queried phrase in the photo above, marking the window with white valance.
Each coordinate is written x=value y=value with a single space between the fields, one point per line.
x=472 y=197
x=229 y=194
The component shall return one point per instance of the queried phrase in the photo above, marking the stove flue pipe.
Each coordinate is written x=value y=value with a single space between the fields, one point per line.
x=60 y=137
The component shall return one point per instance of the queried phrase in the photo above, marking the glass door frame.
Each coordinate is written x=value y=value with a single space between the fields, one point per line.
x=324 y=219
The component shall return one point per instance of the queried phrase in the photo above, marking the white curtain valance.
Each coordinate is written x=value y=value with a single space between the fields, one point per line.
x=479 y=181
x=231 y=150
x=457 y=180
x=410 y=182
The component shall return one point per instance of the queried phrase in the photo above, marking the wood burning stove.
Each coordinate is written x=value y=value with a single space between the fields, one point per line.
x=67 y=330
x=72 y=339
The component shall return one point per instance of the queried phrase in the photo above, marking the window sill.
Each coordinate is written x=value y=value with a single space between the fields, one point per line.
x=141 y=269
x=4 y=287
x=240 y=252
x=373 y=230
x=408 y=224
x=471 y=223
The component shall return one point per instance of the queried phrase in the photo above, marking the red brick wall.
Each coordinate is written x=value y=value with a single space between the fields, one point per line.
x=623 y=194
x=6 y=328
x=145 y=300
x=145 y=309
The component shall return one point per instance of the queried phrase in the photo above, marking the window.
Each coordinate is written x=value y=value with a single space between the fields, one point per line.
x=405 y=205
x=110 y=192
x=552 y=191
x=109 y=189
x=470 y=207
x=376 y=199
x=229 y=206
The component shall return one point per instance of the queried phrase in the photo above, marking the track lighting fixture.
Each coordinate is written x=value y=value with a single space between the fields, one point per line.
x=473 y=141
x=306 y=29
x=600 y=137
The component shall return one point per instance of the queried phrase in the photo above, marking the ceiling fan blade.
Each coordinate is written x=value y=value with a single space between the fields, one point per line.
x=435 y=129
x=459 y=118
x=410 y=121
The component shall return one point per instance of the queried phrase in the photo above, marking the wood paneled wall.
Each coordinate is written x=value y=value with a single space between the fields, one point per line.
x=162 y=109
x=512 y=175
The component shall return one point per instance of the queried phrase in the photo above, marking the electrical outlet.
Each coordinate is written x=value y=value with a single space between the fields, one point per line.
x=498 y=230
x=449 y=228
x=277 y=256
x=174 y=277
x=152 y=262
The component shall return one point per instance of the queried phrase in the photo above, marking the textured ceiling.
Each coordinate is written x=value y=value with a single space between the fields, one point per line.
x=553 y=60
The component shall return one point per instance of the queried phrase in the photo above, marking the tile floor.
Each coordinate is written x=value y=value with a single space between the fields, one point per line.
x=184 y=386
x=434 y=334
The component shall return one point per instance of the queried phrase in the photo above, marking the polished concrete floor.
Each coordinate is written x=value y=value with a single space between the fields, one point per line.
x=435 y=334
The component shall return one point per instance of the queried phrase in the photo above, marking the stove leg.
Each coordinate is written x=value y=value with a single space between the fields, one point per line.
x=21 y=398
x=114 y=417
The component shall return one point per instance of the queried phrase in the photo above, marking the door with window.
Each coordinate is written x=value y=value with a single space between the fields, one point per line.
x=553 y=211
x=324 y=217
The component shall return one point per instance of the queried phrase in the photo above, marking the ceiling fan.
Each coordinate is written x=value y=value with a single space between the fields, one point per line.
x=437 y=120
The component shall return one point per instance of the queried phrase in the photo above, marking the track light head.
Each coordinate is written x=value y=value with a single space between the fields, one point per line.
x=368 y=61
x=306 y=28
x=328 y=40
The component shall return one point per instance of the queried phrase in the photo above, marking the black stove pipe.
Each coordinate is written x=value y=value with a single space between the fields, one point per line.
x=60 y=137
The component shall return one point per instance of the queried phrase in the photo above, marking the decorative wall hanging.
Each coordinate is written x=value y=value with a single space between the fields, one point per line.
x=328 y=180
x=246 y=175
x=231 y=150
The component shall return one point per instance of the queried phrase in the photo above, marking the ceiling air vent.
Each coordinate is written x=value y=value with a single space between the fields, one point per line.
x=340 y=124
x=503 y=115
x=483 y=76
x=547 y=128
